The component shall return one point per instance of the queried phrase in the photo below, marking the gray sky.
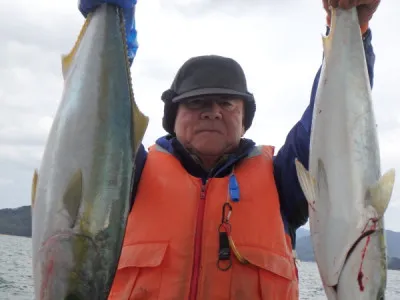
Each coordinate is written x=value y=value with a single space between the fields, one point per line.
x=279 y=46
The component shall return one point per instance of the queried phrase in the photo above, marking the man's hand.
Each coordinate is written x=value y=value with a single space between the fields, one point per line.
x=365 y=8
x=128 y=6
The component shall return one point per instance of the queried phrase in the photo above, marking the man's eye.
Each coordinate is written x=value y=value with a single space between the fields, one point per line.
x=195 y=103
x=226 y=103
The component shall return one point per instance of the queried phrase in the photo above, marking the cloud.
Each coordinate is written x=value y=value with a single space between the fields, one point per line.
x=278 y=43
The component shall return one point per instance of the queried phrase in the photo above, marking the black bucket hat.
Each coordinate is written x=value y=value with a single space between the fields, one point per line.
x=203 y=76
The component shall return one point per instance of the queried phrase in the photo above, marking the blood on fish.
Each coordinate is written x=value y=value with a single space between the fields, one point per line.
x=360 y=275
x=359 y=279
x=49 y=271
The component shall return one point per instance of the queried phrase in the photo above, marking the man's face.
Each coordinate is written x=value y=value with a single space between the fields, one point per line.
x=210 y=126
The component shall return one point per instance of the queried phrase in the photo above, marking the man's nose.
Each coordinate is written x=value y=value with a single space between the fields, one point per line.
x=212 y=111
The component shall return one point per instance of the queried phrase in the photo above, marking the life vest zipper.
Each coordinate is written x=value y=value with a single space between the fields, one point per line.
x=198 y=243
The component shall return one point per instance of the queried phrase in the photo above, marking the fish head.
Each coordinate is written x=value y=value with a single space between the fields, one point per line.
x=69 y=267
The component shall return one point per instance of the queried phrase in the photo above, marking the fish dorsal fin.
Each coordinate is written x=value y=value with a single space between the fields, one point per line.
x=381 y=192
x=307 y=183
x=34 y=185
x=139 y=125
x=67 y=59
x=72 y=197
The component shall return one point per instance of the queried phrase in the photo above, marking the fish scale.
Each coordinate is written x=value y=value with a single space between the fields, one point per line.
x=346 y=192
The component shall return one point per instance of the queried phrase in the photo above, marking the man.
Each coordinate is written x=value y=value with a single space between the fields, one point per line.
x=213 y=215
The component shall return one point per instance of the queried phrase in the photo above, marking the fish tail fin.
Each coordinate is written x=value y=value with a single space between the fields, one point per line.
x=327 y=39
x=67 y=59
x=381 y=192
x=326 y=43
x=307 y=183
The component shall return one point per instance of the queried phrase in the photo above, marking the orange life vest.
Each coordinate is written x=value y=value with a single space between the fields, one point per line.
x=171 y=245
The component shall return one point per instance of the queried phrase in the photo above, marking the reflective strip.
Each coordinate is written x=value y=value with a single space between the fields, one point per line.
x=257 y=150
x=159 y=148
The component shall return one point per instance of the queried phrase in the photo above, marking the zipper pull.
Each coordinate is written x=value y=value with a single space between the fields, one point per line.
x=224 y=250
x=203 y=190
x=202 y=193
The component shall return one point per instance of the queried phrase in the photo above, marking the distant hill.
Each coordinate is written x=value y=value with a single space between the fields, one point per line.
x=393 y=243
x=301 y=232
x=16 y=221
x=305 y=251
x=394 y=263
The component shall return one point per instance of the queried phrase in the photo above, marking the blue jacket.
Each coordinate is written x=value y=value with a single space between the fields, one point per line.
x=294 y=206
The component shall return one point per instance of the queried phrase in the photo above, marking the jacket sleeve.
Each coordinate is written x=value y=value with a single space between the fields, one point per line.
x=294 y=206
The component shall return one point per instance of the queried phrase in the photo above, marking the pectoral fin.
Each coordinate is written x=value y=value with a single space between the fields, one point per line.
x=73 y=197
x=307 y=183
x=381 y=192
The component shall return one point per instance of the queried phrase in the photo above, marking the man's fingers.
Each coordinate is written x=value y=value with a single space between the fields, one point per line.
x=347 y=4
x=333 y=3
x=366 y=2
x=365 y=13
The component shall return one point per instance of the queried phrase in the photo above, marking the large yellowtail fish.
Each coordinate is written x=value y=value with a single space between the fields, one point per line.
x=81 y=194
x=346 y=193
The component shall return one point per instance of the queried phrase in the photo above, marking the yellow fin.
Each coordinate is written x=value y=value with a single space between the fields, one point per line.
x=381 y=192
x=327 y=44
x=307 y=183
x=327 y=40
x=66 y=60
x=140 y=123
x=34 y=184
x=72 y=197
